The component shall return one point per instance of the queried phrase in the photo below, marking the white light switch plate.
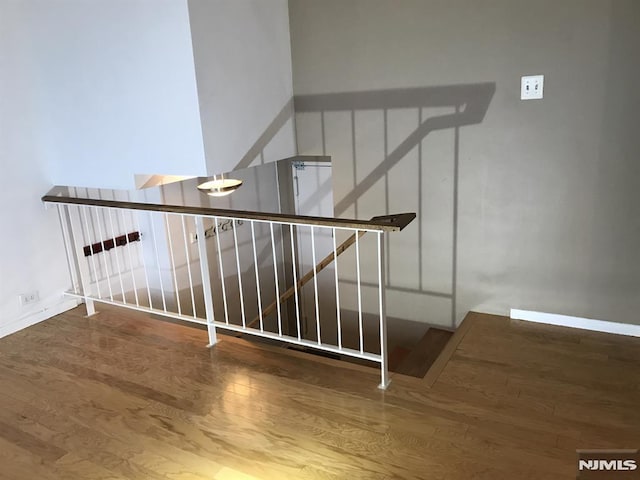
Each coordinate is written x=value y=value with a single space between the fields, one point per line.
x=532 y=87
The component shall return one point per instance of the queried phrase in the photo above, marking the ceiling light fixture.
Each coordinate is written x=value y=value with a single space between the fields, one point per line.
x=220 y=187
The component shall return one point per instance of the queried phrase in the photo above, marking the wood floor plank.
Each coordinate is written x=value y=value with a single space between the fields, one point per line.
x=17 y=463
x=123 y=395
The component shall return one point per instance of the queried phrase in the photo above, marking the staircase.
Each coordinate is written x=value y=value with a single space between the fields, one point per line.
x=405 y=357
x=416 y=360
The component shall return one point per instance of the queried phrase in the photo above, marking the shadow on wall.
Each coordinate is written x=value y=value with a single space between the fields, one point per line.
x=399 y=150
x=256 y=152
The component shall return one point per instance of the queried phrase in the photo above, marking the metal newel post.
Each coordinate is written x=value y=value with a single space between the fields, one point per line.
x=384 y=367
x=74 y=259
x=72 y=262
x=206 y=281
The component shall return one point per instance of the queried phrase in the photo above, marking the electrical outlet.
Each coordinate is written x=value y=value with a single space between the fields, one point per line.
x=532 y=87
x=27 y=299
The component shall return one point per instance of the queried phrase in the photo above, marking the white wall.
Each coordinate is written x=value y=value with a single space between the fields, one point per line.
x=117 y=89
x=548 y=215
x=243 y=68
x=32 y=255
x=117 y=86
x=91 y=93
x=99 y=91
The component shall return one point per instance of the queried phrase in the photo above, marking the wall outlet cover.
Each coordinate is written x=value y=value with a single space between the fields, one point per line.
x=27 y=299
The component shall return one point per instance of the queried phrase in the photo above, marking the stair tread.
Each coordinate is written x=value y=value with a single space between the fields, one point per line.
x=418 y=361
x=397 y=356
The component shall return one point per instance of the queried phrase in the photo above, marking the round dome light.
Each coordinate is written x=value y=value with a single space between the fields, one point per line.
x=220 y=187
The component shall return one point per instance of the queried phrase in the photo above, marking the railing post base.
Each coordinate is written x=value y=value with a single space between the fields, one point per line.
x=382 y=305
x=213 y=337
x=91 y=307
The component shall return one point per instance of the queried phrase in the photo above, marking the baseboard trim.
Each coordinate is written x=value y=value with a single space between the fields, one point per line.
x=576 y=322
x=38 y=316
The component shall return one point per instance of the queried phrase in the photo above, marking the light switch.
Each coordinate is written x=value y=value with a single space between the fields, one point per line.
x=532 y=87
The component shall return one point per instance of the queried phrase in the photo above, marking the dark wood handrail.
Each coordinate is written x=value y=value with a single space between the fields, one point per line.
x=388 y=223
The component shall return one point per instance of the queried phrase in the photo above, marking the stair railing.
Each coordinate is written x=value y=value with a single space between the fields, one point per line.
x=156 y=258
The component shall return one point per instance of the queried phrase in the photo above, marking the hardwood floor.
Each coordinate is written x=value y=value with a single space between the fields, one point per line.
x=124 y=396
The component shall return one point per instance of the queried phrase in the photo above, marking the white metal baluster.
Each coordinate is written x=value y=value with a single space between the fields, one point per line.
x=186 y=251
x=255 y=263
x=104 y=251
x=315 y=283
x=93 y=258
x=359 y=292
x=86 y=282
x=295 y=279
x=63 y=214
x=115 y=248
x=128 y=245
x=335 y=261
x=224 y=290
x=383 y=315
x=235 y=241
x=155 y=247
x=275 y=274
x=206 y=280
x=173 y=262
x=140 y=250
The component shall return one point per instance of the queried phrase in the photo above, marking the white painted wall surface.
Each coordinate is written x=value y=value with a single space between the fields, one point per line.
x=32 y=255
x=548 y=217
x=100 y=91
x=117 y=89
x=243 y=67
